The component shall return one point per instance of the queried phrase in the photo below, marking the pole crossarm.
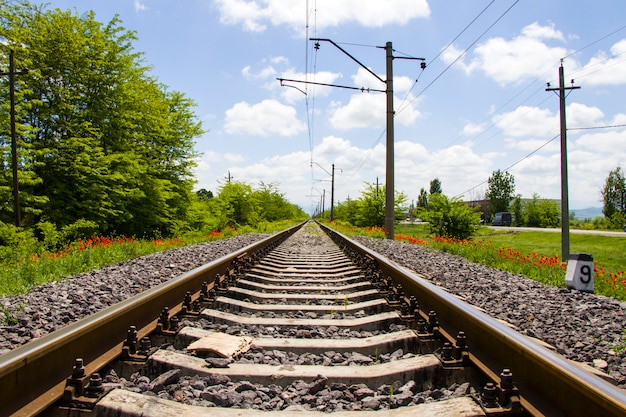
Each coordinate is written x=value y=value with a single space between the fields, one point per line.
x=346 y=52
x=362 y=89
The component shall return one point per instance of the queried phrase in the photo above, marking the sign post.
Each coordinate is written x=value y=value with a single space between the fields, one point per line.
x=579 y=274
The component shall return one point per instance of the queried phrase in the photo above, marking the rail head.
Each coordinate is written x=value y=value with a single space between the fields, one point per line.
x=548 y=383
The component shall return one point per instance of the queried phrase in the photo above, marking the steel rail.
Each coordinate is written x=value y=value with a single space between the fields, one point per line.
x=33 y=376
x=549 y=384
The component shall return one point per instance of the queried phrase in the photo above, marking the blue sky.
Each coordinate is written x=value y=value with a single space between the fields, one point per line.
x=480 y=104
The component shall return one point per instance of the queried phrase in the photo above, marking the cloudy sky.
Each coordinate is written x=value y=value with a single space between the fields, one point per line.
x=479 y=105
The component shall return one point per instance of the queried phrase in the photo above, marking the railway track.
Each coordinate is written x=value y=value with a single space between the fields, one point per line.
x=303 y=322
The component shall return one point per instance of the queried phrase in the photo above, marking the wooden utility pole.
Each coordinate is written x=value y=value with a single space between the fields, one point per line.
x=16 y=193
x=564 y=180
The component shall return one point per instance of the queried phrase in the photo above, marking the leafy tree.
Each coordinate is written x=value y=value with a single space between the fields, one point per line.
x=500 y=191
x=614 y=193
x=435 y=186
x=450 y=217
x=371 y=207
x=517 y=208
x=100 y=139
x=204 y=194
x=541 y=213
x=369 y=210
x=422 y=199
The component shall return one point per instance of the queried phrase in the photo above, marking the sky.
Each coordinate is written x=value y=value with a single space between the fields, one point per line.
x=480 y=105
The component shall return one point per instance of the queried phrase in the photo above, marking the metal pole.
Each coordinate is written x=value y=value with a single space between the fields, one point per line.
x=389 y=193
x=564 y=179
x=332 y=195
x=16 y=192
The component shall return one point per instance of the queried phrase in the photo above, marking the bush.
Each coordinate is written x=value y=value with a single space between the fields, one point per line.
x=450 y=218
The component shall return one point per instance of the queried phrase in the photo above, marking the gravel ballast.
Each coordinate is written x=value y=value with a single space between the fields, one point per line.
x=583 y=327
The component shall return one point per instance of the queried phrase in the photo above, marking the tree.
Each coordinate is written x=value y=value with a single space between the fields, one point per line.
x=500 y=191
x=614 y=193
x=450 y=217
x=435 y=186
x=422 y=199
x=517 y=208
x=539 y=212
x=100 y=139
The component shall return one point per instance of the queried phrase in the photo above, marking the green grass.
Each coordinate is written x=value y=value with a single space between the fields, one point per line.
x=20 y=272
x=536 y=254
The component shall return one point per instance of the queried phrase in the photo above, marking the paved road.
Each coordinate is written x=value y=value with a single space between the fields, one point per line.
x=572 y=231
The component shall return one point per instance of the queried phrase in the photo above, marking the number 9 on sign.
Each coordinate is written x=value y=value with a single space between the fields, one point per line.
x=579 y=275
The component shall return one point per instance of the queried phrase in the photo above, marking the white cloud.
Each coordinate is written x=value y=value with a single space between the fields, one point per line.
x=368 y=110
x=536 y=31
x=268 y=117
x=139 y=6
x=527 y=121
x=261 y=74
x=604 y=69
x=256 y=15
x=513 y=61
x=471 y=129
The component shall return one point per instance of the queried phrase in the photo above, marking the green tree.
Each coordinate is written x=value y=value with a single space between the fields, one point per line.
x=614 y=193
x=435 y=186
x=540 y=212
x=422 y=199
x=450 y=217
x=517 y=208
x=500 y=191
x=101 y=139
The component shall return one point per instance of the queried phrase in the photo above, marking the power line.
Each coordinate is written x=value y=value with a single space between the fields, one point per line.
x=596 y=127
x=400 y=108
x=461 y=54
x=512 y=165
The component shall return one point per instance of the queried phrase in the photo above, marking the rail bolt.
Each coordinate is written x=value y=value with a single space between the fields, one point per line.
x=144 y=346
x=164 y=318
x=446 y=352
x=95 y=386
x=506 y=379
x=78 y=371
x=489 y=396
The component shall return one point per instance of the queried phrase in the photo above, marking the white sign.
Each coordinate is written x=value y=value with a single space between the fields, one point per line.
x=579 y=274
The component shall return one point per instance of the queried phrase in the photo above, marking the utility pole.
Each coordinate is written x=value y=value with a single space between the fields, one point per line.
x=229 y=177
x=389 y=192
x=390 y=187
x=564 y=181
x=16 y=192
x=332 y=194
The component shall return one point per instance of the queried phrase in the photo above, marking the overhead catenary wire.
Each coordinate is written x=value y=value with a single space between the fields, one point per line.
x=465 y=51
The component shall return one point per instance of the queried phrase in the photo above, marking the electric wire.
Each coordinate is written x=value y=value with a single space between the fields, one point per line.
x=465 y=51
x=400 y=107
x=510 y=166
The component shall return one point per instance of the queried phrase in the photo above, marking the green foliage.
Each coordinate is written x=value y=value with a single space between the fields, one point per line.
x=617 y=220
x=500 y=190
x=450 y=218
x=435 y=186
x=541 y=213
x=422 y=199
x=100 y=139
x=369 y=210
x=517 y=208
x=614 y=193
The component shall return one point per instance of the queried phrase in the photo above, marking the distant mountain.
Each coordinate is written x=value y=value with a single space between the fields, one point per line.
x=587 y=213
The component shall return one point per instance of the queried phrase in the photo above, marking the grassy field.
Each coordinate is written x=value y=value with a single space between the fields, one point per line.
x=536 y=254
